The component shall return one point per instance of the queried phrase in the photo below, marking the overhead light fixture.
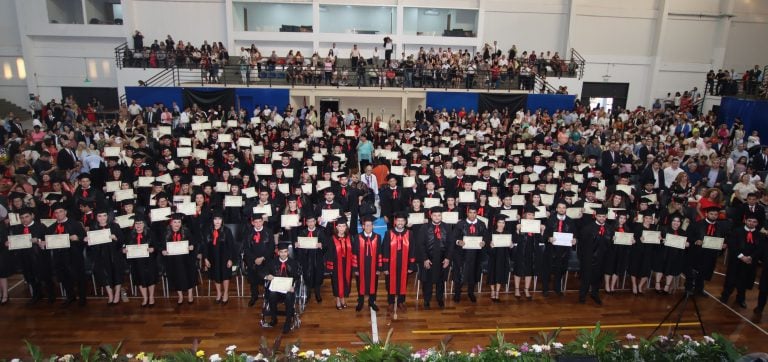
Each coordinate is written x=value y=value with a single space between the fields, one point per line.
x=432 y=12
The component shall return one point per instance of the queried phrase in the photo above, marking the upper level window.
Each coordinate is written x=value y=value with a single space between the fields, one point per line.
x=352 y=19
x=440 y=22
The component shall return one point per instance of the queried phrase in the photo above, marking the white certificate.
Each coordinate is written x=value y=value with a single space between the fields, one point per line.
x=291 y=220
x=305 y=242
x=111 y=151
x=57 y=241
x=450 y=217
x=651 y=237
x=510 y=214
x=180 y=199
x=124 y=221
x=623 y=238
x=13 y=219
x=541 y=212
x=22 y=241
x=612 y=213
x=182 y=152
x=398 y=170
x=518 y=200
x=574 y=212
x=494 y=201
x=159 y=214
x=226 y=137
x=145 y=181
x=547 y=199
x=530 y=226
x=186 y=208
x=200 y=154
x=526 y=188
x=563 y=239
x=416 y=218
x=479 y=185
x=263 y=209
x=467 y=197
x=284 y=188
x=180 y=247
x=408 y=181
x=625 y=188
x=501 y=240
x=306 y=189
x=430 y=202
x=349 y=133
x=96 y=237
x=711 y=242
x=137 y=251
x=675 y=241
x=280 y=285
x=250 y=192
x=231 y=123
x=221 y=187
x=198 y=180
x=264 y=170
x=233 y=201
x=472 y=242
x=113 y=186
x=288 y=172
x=185 y=141
x=330 y=214
x=322 y=185
x=47 y=222
x=165 y=179
x=244 y=142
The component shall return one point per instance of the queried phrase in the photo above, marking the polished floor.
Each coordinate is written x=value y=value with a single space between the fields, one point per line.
x=167 y=327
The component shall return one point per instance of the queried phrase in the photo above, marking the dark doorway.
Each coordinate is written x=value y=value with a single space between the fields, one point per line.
x=83 y=95
x=325 y=104
x=616 y=91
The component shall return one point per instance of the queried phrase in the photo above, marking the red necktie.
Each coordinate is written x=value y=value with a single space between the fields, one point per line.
x=367 y=246
x=257 y=237
x=481 y=211
x=711 y=230
x=423 y=171
x=85 y=220
x=26 y=230
x=298 y=202
x=309 y=233
x=560 y=226
x=343 y=192
x=749 y=238
x=273 y=194
x=394 y=194
x=138 y=238
x=60 y=229
x=215 y=236
x=601 y=232
x=176 y=189
x=461 y=183
x=472 y=229
x=176 y=236
x=328 y=206
x=85 y=193
x=283 y=268
x=620 y=229
x=437 y=233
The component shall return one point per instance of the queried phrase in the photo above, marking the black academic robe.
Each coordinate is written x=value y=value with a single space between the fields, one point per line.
x=467 y=262
x=739 y=274
x=391 y=201
x=218 y=248
x=675 y=259
x=366 y=262
x=398 y=254
x=311 y=260
x=144 y=270
x=556 y=257
x=338 y=256
x=591 y=248
x=701 y=259
x=257 y=244
x=108 y=259
x=69 y=264
x=181 y=270
x=35 y=262
x=526 y=252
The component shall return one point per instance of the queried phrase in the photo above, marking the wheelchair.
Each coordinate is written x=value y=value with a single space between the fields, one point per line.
x=300 y=303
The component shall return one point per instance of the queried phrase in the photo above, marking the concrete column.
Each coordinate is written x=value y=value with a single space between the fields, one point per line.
x=721 y=38
x=570 y=29
x=655 y=66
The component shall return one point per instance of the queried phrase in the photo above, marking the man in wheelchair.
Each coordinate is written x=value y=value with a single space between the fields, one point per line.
x=282 y=290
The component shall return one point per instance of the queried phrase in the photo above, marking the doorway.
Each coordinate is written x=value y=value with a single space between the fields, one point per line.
x=602 y=91
x=598 y=103
x=329 y=103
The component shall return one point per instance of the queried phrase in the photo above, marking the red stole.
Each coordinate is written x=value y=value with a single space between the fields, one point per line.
x=359 y=260
x=399 y=248
x=343 y=249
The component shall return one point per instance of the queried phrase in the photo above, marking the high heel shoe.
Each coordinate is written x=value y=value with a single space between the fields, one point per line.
x=517 y=294
x=528 y=295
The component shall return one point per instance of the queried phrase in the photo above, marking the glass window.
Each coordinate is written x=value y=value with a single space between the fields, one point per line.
x=440 y=22
x=65 y=11
x=357 y=19
x=272 y=17
x=104 y=12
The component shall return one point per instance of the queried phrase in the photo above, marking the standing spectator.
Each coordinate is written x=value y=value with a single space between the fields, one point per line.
x=138 y=41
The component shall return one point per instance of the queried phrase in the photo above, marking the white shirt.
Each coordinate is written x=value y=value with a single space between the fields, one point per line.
x=371 y=182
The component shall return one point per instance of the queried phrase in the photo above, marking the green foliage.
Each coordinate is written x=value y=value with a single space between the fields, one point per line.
x=34 y=351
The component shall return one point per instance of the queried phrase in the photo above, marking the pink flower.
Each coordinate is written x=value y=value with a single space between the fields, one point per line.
x=630 y=337
x=524 y=348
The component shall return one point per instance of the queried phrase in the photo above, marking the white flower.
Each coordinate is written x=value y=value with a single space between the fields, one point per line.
x=634 y=346
x=624 y=346
x=630 y=336
x=294 y=349
x=16 y=360
x=472 y=355
x=557 y=345
x=231 y=348
x=214 y=358
x=128 y=356
x=310 y=354
x=326 y=352
x=585 y=345
x=546 y=348
x=536 y=348
x=709 y=339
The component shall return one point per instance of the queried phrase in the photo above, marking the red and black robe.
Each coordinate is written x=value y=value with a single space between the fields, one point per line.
x=339 y=262
x=398 y=257
x=366 y=261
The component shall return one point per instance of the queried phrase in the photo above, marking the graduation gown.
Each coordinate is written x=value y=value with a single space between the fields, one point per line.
x=467 y=262
x=701 y=259
x=311 y=260
x=641 y=255
x=398 y=253
x=35 y=262
x=498 y=264
x=526 y=252
x=257 y=244
x=218 y=248
x=143 y=270
x=674 y=258
x=181 y=270
x=738 y=274
x=69 y=264
x=338 y=256
x=7 y=266
x=591 y=250
x=366 y=262
x=617 y=256
x=108 y=259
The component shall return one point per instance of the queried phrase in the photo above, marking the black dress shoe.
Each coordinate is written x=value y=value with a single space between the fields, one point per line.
x=67 y=302
x=151 y=305
x=559 y=293
x=723 y=299
x=359 y=306
x=374 y=307
x=191 y=301
x=318 y=298
x=758 y=310
x=582 y=300
x=179 y=302
x=224 y=302
x=272 y=323
x=441 y=303
x=252 y=302
x=742 y=304
x=82 y=302
x=426 y=305
x=144 y=305
x=596 y=298
x=472 y=298
x=286 y=327
x=457 y=298
x=545 y=294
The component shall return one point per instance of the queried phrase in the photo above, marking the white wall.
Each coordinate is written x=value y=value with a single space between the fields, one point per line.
x=193 y=21
x=746 y=38
x=372 y=106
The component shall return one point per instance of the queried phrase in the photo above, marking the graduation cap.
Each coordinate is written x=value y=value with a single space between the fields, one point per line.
x=101 y=210
x=17 y=195
x=648 y=212
x=139 y=218
x=127 y=202
x=367 y=218
x=310 y=215
x=292 y=197
x=403 y=215
x=530 y=209
x=712 y=209
x=750 y=215
x=438 y=209
x=217 y=213
x=258 y=216
x=591 y=189
x=283 y=245
x=156 y=183
x=601 y=211
x=176 y=216
x=341 y=220
x=679 y=199
x=84 y=175
x=646 y=200
x=161 y=195
x=112 y=158
x=569 y=194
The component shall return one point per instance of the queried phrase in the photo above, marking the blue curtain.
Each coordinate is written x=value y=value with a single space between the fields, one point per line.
x=753 y=113
x=550 y=102
x=452 y=100
x=146 y=96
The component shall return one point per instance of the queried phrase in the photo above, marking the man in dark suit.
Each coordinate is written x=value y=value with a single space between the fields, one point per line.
x=66 y=158
x=654 y=175
x=610 y=162
x=593 y=241
x=283 y=267
x=760 y=161
x=750 y=207
x=744 y=244
x=556 y=257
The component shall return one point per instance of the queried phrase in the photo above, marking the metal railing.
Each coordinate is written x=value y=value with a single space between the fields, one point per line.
x=120 y=51
x=578 y=62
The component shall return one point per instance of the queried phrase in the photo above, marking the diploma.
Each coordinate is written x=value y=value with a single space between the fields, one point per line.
x=284 y=188
x=124 y=221
x=349 y=133
x=574 y=212
x=48 y=222
x=612 y=213
x=159 y=214
x=430 y=202
x=280 y=284
x=547 y=199
x=625 y=188
x=231 y=123
x=17 y=242
x=589 y=207
x=526 y=188
x=471 y=171
x=244 y=142
x=479 y=185
x=306 y=188
x=494 y=201
x=263 y=170
x=111 y=151
x=182 y=152
x=530 y=226
x=121 y=195
x=510 y=214
x=416 y=218
x=711 y=242
x=250 y=192
x=651 y=237
x=312 y=170
x=539 y=169
x=472 y=242
x=562 y=239
x=398 y=170
x=145 y=181
x=288 y=172
x=304 y=242
x=408 y=181
x=263 y=209
x=675 y=241
x=226 y=137
x=541 y=212
x=200 y=154
x=57 y=241
x=233 y=201
x=322 y=185
x=501 y=240
x=187 y=208
x=623 y=238
x=518 y=200
x=467 y=197
x=180 y=247
x=221 y=187
x=198 y=180
x=165 y=179
x=97 y=237
x=291 y=220
x=450 y=217
x=185 y=141
x=13 y=219
x=330 y=214
x=113 y=186
x=137 y=251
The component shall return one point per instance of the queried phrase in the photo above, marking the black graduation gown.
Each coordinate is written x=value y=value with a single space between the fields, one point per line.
x=498 y=264
x=617 y=256
x=311 y=260
x=701 y=259
x=366 y=262
x=467 y=262
x=257 y=244
x=219 y=253
x=526 y=252
x=739 y=274
x=641 y=255
x=69 y=264
x=144 y=270
x=338 y=256
x=398 y=254
x=6 y=260
x=674 y=258
x=556 y=257
x=591 y=250
x=35 y=262
x=108 y=259
x=181 y=270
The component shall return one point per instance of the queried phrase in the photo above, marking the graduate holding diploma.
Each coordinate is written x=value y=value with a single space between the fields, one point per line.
x=283 y=267
x=467 y=259
x=143 y=270
x=702 y=258
x=105 y=249
x=526 y=250
x=555 y=259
